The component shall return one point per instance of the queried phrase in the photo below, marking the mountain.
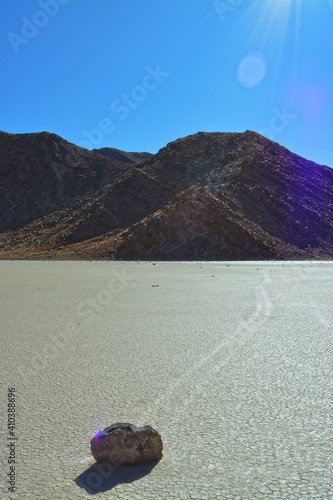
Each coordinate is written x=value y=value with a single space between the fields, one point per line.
x=211 y=196
x=122 y=156
x=41 y=173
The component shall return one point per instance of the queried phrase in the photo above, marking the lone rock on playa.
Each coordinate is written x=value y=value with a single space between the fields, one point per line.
x=123 y=444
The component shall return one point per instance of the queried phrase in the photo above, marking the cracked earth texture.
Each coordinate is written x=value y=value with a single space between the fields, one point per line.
x=230 y=362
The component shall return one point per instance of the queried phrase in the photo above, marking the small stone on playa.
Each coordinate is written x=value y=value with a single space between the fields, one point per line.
x=123 y=444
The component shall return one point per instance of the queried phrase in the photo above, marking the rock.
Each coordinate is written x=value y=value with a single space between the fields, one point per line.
x=124 y=443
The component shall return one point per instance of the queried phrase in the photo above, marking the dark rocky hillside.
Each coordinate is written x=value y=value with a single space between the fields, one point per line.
x=211 y=196
x=41 y=173
x=122 y=156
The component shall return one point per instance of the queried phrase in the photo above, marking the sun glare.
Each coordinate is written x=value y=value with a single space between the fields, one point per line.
x=275 y=21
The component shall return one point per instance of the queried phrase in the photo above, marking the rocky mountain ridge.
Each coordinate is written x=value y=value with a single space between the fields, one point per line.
x=122 y=156
x=212 y=196
x=41 y=173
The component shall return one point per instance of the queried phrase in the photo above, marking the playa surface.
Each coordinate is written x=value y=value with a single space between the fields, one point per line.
x=230 y=362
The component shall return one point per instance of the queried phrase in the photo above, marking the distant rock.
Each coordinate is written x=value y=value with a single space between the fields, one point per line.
x=124 y=444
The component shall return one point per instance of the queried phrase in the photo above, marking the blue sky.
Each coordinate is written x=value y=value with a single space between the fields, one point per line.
x=137 y=74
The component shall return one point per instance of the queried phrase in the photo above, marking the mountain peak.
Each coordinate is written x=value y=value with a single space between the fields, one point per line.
x=123 y=156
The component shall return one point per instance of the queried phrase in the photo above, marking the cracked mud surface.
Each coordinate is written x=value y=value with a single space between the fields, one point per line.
x=230 y=362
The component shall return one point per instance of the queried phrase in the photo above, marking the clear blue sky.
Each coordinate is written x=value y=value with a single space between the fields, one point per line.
x=137 y=74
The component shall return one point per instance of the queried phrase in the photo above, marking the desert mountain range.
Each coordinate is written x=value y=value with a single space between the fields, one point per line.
x=208 y=196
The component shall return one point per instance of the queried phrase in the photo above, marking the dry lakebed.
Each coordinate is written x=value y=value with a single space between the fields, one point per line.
x=231 y=362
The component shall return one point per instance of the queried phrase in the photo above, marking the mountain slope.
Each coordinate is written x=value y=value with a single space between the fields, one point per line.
x=122 y=156
x=41 y=173
x=207 y=196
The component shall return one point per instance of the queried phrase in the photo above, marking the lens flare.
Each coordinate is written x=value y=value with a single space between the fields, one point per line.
x=252 y=70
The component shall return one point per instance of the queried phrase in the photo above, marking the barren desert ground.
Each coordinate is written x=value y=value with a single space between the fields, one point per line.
x=230 y=362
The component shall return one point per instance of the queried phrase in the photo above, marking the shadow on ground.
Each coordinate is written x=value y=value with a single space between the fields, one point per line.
x=103 y=476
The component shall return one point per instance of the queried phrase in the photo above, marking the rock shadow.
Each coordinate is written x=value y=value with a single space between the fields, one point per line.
x=103 y=476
